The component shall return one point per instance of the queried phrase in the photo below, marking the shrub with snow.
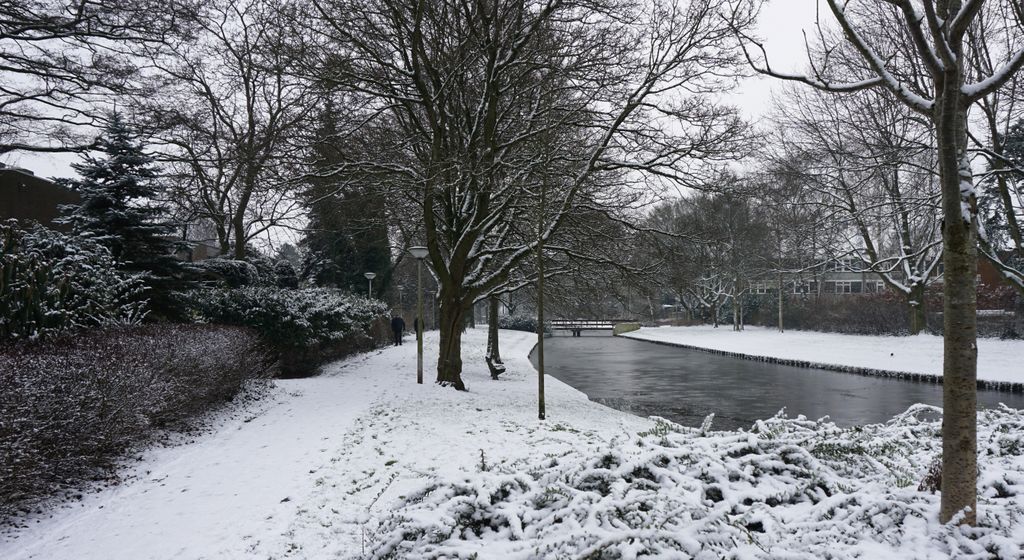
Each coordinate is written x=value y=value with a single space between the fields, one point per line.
x=291 y=318
x=52 y=282
x=227 y=272
x=520 y=323
x=789 y=488
x=71 y=406
x=285 y=274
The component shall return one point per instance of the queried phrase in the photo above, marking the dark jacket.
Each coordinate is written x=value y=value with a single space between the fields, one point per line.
x=397 y=324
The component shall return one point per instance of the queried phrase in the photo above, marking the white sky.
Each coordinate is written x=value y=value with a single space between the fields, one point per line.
x=781 y=27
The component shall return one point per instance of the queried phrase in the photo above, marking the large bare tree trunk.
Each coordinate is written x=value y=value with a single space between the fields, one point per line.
x=960 y=356
x=449 y=362
x=493 y=351
x=737 y=320
x=917 y=309
x=781 y=329
x=714 y=311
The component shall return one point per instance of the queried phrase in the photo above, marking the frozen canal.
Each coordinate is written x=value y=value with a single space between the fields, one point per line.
x=687 y=385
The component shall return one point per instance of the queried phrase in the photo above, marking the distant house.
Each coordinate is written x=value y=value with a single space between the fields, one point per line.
x=26 y=197
x=195 y=251
x=839 y=277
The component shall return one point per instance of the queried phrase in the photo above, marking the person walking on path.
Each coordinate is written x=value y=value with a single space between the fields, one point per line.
x=397 y=327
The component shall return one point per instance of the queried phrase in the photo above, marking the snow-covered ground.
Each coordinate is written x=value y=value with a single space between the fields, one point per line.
x=304 y=476
x=363 y=463
x=998 y=360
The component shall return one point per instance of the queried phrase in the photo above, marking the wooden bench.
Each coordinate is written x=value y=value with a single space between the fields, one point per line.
x=497 y=368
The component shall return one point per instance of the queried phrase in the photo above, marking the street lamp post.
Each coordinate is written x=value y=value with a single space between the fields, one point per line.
x=419 y=253
x=369 y=290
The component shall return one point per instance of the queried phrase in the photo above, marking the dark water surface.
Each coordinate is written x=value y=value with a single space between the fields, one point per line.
x=687 y=385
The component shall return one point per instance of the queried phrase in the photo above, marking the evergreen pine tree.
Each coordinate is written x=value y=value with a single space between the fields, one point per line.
x=347 y=232
x=120 y=209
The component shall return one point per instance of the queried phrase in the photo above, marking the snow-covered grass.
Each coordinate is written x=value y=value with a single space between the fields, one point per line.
x=998 y=360
x=363 y=463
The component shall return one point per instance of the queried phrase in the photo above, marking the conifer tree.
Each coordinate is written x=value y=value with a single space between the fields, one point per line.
x=347 y=232
x=120 y=209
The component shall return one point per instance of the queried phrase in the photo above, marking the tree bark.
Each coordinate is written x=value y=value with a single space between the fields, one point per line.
x=714 y=311
x=781 y=329
x=493 y=351
x=449 y=362
x=737 y=321
x=917 y=309
x=960 y=355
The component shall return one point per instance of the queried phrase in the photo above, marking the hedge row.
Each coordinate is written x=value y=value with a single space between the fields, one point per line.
x=307 y=327
x=71 y=406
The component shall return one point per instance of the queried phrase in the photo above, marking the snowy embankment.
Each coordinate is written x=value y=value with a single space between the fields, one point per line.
x=364 y=463
x=304 y=475
x=1000 y=362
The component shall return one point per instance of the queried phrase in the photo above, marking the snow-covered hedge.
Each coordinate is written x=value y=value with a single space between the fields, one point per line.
x=227 y=272
x=520 y=323
x=789 y=488
x=72 y=405
x=52 y=282
x=290 y=318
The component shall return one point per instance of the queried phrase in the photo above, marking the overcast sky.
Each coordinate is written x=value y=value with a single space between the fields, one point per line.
x=781 y=26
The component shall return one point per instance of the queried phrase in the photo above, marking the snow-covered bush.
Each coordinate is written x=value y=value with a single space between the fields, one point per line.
x=227 y=272
x=307 y=326
x=51 y=282
x=285 y=274
x=789 y=488
x=290 y=317
x=520 y=323
x=72 y=405
x=882 y=313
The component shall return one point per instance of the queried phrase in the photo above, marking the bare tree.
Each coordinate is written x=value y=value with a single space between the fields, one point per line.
x=793 y=220
x=992 y=41
x=715 y=245
x=868 y=164
x=484 y=105
x=231 y=112
x=918 y=51
x=62 y=62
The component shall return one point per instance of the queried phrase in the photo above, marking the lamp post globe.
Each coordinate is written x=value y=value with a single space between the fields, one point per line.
x=369 y=277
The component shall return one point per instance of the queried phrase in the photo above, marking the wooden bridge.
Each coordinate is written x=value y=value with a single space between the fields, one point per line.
x=576 y=326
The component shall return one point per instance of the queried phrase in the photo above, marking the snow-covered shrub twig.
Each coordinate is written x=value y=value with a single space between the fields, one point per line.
x=70 y=406
x=788 y=488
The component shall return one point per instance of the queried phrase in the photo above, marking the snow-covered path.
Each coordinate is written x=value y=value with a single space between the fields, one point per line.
x=215 y=497
x=299 y=477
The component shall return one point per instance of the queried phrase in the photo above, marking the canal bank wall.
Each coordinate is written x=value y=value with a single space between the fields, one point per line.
x=1005 y=386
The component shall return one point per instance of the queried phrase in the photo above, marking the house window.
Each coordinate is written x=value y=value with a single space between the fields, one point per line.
x=844 y=287
x=830 y=287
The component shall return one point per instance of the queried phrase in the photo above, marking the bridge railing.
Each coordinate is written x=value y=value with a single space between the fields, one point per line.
x=585 y=324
